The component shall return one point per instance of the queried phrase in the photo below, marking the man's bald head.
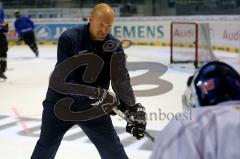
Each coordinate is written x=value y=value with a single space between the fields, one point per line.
x=101 y=20
x=103 y=9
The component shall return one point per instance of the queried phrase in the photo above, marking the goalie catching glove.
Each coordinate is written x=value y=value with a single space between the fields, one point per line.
x=137 y=115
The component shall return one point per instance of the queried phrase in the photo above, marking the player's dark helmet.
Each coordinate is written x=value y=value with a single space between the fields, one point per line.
x=213 y=83
x=17 y=13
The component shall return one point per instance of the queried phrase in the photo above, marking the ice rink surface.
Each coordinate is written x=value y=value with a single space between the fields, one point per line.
x=22 y=94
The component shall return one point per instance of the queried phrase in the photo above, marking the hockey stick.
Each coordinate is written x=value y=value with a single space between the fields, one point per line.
x=123 y=116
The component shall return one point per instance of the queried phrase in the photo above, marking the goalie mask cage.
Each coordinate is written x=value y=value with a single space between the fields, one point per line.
x=190 y=43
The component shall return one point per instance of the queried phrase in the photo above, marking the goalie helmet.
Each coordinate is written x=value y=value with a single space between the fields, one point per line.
x=213 y=83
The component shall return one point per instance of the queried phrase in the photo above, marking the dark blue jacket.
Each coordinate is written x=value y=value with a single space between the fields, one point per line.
x=23 y=25
x=1 y=19
x=1 y=16
x=74 y=40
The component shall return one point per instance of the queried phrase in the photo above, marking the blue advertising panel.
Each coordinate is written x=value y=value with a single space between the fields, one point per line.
x=51 y=32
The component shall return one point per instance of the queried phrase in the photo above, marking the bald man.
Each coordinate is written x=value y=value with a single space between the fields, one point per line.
x=93 y=38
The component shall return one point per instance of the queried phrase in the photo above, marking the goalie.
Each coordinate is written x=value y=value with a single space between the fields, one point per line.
x=213 y=97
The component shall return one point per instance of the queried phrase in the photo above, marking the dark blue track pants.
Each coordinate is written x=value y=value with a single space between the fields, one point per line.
x=100 y=131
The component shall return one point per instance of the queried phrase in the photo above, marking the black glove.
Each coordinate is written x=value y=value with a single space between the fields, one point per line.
x=137 y=115
x=106 y=99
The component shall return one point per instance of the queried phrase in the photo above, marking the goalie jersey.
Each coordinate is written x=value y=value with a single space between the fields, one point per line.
x=209 y=133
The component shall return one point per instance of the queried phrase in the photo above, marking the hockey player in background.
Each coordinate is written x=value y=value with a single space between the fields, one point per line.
x=91 y=38
x=212 y=130
x=25 y=29
x=3 y=45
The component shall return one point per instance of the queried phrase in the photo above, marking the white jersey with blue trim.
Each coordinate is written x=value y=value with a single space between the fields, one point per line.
x=209 y=133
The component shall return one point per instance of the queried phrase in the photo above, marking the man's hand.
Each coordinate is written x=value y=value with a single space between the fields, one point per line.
x=137 y=115
x=106 y=99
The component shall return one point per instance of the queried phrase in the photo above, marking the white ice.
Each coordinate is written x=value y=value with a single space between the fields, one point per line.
x=23 y=92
